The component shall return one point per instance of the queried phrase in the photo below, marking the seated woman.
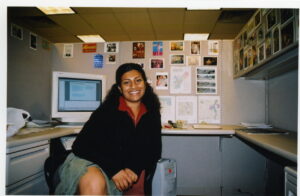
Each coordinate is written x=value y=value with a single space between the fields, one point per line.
x=119 y=145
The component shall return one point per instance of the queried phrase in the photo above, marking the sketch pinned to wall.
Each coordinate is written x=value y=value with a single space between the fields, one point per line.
x=180 y=80
x=206 y=80
x=68 y=51
x=138 y=50
x=157 y=63
x=162 y=81
x=98 y=61
x=209 y=109
x=157 y=49
x=111 y=47
x=186 y=108
x=210 y=61
x=111 y=59
x=176 y=46
x=89 y=47
x=16 y=31
x=167 y=110
x=193 y=60
x=213 y=47
x=33 y=41
x=195 y=47
x=177 y=59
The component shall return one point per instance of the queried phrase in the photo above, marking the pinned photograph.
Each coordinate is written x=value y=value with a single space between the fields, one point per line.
x=177 y=59
x=111 y=47
x=138 y=50
x=195 y=47
x=213 y=47
x=157 y=49
x=162 y=81
x=33 y=41
x=16 y=31
x=156 y=63
x=111 y=59
x=210 y=61
x=206 y=80
x=176 y=46
x=193 y=60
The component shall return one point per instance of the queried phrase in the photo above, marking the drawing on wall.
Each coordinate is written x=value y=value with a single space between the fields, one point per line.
x=157 y=49
x=68 y=51
x=276 y=40
x=16 y=31
x=180 y=80
x=176 y=46
x=138 y=50
x=111 y=47
x=287 y=35
x=210 y=61
x=193 y=60
x=261 y=52
x=206 y=80
x=195 y=47
x=33 y=41
x=271 y=19
x=285 y=15
x=111 y=59
x=209 y=108
x=186 y=108
x=167 y=110
x=157 y=63
x=162 y=81
x=213 y=47
x=177 y=59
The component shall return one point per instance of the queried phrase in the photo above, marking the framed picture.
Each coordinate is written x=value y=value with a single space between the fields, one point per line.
x=249 y=57
x=268 y=45
x=260 y=34
x=210 y=61
x=245 y=38
x=285 y=15
x=241 y=41
x=271 y=19
x=16 y=31
x=111 y=59
x=252 y=38
x=156 y=63
x=157 y=49
x=254 y=55
x=111 y=47
x=176 y=46
x=32 y=41
x=287 y=34
x=195 y=47
x=276 y=39
x=241 y=60
x=177 y=59
x=257 y=19
x=193 y=60
x=138 y=50
x=245 y=59
x=261 y=52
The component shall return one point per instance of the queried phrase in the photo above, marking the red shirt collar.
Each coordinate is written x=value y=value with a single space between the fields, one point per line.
x=123 y=107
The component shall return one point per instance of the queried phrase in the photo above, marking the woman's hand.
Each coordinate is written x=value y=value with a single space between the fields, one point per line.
x=124 y=179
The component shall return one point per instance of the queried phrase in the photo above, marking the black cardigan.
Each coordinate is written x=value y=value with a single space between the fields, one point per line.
x=111 y=140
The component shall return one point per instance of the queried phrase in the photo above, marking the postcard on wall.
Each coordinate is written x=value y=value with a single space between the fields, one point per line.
x=157 y=49
x=210 y=61
x=193 y=60
x=162 y=81
x=89 y=47
x=98 y=61
x=206 y=80
x=138 y=50
x=68 y=51
x=176 y=46
x=176 y=59
x=186 y=108
x=16 y=31
x=33 y=41
x=180 y=80
x=209 y=109
x=195 y=47
x=111 y=59
x=167 y=110
x=111 y=47
x=213 y=47
x=157 y=63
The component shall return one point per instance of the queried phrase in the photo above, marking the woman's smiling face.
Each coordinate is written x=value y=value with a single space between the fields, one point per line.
x=132 y=86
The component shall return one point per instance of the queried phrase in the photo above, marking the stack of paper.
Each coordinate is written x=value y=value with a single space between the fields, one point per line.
x=256 y=125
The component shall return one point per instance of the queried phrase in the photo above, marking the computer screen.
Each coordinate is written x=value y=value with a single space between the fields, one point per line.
x=76 y=95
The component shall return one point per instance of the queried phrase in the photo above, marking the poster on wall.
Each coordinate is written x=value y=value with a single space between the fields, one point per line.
x=195 y=47
x=209 y=109
x=167 y=110
x=33 y=41
x=138 y=50
x=162 y=81
x=111 y=59
x=176 y=46
x=89 y=47
x=111 y=47
x=157 y=49
x=186 y=108
x=68 y=51
x=213 y=47
x=157 y=63
x=98 y=61
x=16 y=31
x=206 y=80
x=180 y=80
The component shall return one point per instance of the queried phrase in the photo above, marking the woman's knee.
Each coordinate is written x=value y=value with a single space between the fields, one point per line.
x=92 y=183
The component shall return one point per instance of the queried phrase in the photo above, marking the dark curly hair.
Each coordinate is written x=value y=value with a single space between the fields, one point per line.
x=150 y=99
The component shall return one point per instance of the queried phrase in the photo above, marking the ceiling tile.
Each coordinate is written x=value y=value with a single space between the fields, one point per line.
x=92 y=10
x=64 y=39
x=222 y=36
x=141 y=37
x=51 y=32
x=227 y=28
x=196 y=21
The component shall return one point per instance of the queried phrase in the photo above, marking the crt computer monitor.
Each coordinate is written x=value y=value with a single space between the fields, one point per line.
x=76 y=95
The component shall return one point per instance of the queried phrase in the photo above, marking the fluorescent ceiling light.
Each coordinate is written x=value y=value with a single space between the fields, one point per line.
x=91 y=38
x=196 y=36
x=56 y=10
